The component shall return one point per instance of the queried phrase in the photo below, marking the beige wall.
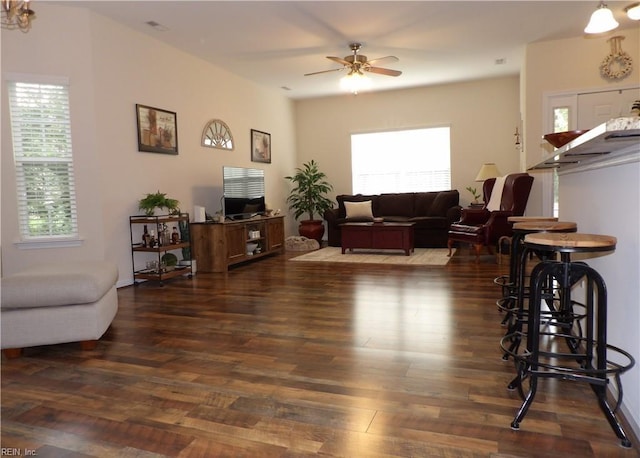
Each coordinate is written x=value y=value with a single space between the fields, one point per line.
x=482 y=115
x=111 y=68
x=47 y=51
x=569 y=65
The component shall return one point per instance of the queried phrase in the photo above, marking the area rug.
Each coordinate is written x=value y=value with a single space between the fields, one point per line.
x=421 y=256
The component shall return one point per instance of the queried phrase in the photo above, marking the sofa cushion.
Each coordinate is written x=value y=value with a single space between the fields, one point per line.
x=359 y=210
x=397 y=219
x=423 y=203
x=395 y=204
x=443 y=201
x=59 y=284
x=430 y=222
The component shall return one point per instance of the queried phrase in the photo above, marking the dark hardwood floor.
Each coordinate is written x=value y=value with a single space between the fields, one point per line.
x=280 y=358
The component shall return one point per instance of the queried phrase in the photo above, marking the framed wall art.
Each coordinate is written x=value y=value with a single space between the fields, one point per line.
x=260 y=146
x=157 y=130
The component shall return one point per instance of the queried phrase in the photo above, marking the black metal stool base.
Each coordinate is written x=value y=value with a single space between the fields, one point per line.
x=586 y=357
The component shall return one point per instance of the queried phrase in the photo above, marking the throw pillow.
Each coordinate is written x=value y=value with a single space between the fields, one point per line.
x=496 y=195
x=359 y=210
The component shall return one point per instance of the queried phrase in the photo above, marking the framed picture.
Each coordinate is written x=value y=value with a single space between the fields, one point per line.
x=260 y=146
x=157 y=130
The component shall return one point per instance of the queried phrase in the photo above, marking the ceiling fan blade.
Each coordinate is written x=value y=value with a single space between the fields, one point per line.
x=339 y=60
x=383 y=71
x=389 y=58
x=324 y=71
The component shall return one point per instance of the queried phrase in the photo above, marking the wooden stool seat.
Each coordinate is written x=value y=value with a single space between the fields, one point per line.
x=546 y=226
x=524 y=219
x=571 y=241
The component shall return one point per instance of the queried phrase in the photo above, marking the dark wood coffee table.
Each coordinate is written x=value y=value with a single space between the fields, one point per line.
x=385 y=235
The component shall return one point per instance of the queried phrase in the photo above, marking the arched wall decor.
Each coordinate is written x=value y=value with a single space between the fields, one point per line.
x=217 y=134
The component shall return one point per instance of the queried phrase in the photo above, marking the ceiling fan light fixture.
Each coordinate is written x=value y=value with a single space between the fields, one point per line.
x=633 y=11
x=16 y=14
x=355 y=82
x=601 y=21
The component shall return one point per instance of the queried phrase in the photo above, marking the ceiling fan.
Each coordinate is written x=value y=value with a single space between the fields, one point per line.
x=358 y=63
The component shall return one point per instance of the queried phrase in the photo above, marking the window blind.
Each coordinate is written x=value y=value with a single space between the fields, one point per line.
x=41 y=132
x=243 y=182
x=414 y=160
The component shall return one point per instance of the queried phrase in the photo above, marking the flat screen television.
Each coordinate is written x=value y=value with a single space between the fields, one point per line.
x=243 y=192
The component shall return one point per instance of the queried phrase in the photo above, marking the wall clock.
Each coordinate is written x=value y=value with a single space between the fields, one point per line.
x=217 y=134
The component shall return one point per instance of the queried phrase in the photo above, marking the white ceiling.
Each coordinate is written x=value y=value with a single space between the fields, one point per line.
x=276 y=43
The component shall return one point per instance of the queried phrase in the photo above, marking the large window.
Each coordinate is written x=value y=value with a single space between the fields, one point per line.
x=401 y=161
x=41 y=132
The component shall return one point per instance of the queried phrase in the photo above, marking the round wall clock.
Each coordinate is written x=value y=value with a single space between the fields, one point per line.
x=217 y=134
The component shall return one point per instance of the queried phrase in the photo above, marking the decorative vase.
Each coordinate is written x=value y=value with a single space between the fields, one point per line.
x=312 y=229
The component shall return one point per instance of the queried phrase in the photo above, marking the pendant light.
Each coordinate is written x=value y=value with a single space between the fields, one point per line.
x=633 y=11
x=601 y=21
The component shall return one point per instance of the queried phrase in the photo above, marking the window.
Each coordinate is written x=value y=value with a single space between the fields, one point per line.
x=401 y=161
x=41 y=131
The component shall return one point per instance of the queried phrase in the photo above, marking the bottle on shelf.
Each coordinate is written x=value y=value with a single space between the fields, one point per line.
x=175 y=236
x=152 y=239
x=145 y=237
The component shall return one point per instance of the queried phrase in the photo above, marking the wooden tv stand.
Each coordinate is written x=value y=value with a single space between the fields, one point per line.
x=216 y=246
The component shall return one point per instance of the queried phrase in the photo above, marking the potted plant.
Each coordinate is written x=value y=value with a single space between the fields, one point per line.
x=150 y=202
x=474 y=192
x=308 y=196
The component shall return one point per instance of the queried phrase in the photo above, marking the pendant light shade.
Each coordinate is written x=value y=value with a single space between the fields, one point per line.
x=602 y=20
x=633 y=11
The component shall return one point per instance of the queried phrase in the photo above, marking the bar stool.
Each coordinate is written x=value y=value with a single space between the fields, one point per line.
x=508 y=282
x=520 y=219
x=586 y=360
x=515 y=291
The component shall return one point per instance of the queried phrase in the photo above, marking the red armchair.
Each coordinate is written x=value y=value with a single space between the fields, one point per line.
x=483 y=227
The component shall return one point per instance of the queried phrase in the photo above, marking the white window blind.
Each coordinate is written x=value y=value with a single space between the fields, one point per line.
x=242 y=182
x=41 y=131
x=415 y=160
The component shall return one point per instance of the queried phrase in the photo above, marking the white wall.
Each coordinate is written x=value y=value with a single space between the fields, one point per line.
x=482 y=114
x=111 y=69
x=605 y=201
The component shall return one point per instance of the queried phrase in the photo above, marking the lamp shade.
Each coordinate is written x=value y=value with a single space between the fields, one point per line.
x=633 y=11
x=488 y=170
x=601 y=21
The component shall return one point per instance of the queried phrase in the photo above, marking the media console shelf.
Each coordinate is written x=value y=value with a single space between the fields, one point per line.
x=216 y=246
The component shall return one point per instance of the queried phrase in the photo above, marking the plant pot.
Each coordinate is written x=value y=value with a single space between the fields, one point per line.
x=312 y=229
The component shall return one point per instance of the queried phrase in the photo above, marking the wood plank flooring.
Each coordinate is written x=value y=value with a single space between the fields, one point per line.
x=284 y=359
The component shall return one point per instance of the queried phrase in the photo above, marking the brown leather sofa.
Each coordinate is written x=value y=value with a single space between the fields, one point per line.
x=432 y=213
